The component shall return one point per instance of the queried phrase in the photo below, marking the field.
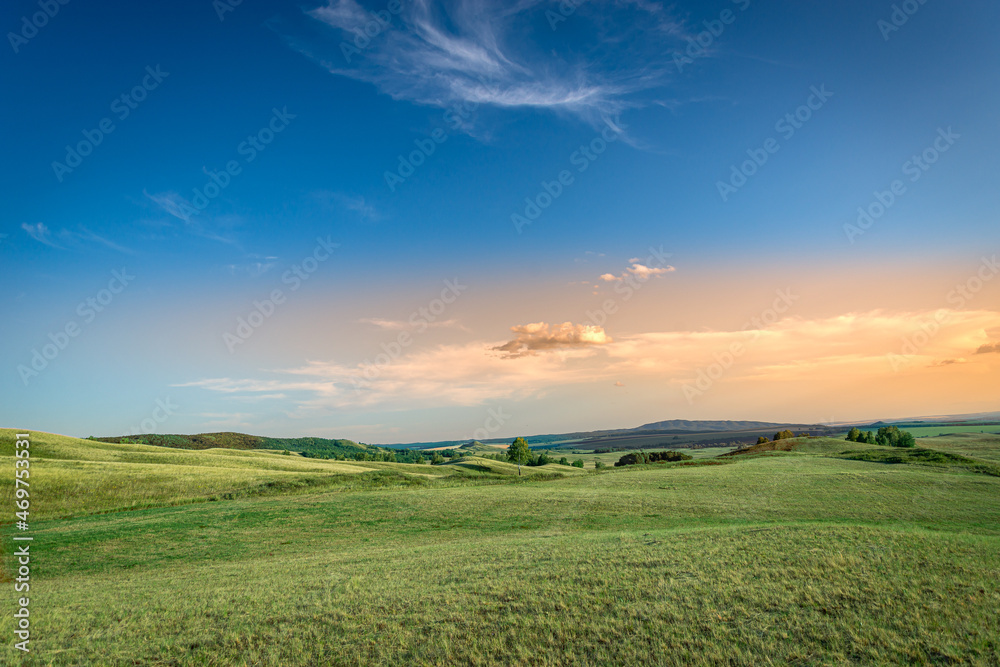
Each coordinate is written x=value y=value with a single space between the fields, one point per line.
x=218 y=557
x=927 y=431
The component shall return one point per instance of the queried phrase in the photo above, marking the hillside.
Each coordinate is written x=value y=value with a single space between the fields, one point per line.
x=93 y=476
x=312 y=447
x=226 y=556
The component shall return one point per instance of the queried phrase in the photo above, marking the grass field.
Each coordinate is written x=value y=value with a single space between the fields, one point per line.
x=930 y=431
x=797 y=557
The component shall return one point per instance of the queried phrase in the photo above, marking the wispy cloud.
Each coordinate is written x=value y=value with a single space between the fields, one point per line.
x=989 y=348
x=172 y=203
x=65 y=238
x=364 y=208
x=405 y=325
x=501 y=54
x=40 y=232
x=214 y=229
x=258 y=265
x=86 y=235
x=948 y=362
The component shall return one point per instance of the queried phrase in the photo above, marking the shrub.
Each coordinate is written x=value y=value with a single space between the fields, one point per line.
x=651 y=457
x=578 y=463
x=761 y=440
x=783 y=435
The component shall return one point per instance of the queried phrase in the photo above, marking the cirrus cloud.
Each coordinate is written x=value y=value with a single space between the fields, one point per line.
x=506 y=55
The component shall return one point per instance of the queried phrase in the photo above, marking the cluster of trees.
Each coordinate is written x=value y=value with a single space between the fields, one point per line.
x=520 y=453
x=383 y=455
x=889 y=436
x=781 y=435
x=651 y=457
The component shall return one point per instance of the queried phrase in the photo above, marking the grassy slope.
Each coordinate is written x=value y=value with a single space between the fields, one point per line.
x=76 y=476
x=973 y=445
x=792 y=557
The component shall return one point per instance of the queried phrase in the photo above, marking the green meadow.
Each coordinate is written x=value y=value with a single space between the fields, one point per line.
x=830 y=553
x=930 y=431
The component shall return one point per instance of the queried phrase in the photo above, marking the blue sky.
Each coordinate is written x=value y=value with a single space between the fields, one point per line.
x=509 y=97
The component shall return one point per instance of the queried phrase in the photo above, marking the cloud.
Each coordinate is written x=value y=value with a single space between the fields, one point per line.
x=87 y=235
x=259 y=265
x=989 y=348
x=530 y=339
x=496 y=53
x=464 y=375
x=404 y=325
x=172 y=203
x=41 y=233
x=619 y=384
x=356 y=203
x=948 y=362
x=640 y=271
x=645 y=272
x=198 y=224
x=826 y=355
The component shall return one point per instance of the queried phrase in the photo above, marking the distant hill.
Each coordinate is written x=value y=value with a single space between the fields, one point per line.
x=704 y=426
x=678 y=431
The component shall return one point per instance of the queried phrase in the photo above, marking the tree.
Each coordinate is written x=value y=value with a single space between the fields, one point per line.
x=564 y=461
x=761 y=440
x=891 y=436
x=783 y=435
x=519 y=453
x=578 y=463
x=854 y=434
x=437 y=459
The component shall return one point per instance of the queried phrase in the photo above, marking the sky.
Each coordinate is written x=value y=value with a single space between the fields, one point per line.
x=410 y=221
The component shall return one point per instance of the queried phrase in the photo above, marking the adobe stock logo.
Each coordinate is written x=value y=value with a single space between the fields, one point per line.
x=31 y=26
x=264 y=309
x=786 y=126
x=122 y=106
x=581 y=158
x=699 y=45
x=914 y=168
x=706 y=377
x=899 y=17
